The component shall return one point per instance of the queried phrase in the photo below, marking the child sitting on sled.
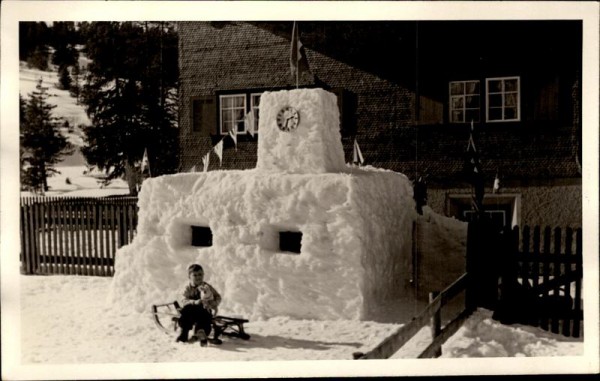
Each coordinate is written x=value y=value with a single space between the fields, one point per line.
x=200 y=302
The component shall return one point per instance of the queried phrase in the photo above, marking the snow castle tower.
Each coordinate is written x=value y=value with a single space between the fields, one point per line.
x=302 y=235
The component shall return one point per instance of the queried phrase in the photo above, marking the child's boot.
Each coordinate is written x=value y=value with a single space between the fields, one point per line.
x=201 y=335
x=183 y=335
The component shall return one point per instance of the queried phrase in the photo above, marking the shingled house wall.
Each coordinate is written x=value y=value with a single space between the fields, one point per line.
x=223 y=57
x=538 y=158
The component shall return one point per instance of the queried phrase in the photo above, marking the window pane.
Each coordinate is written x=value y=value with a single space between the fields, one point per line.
x=457 y=117
x=225 y=127
x=226 y=102
x=457 y=88
x=225 y=116
x=255 y=100
x=511 y=85
x=510 y=113
x=495 y=86
x=457 y=103
x=472 y=101
x=240 y=126
x=510 y=100
x=239 y=101
x=239 y=114
x=472 y=87
x=472 y=115
x=495 y=114
x=495 y=100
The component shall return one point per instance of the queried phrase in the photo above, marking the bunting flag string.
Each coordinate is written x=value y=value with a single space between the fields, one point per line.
x=205 y=162
x=249 y=123
x=357 y=156
x=219 y=151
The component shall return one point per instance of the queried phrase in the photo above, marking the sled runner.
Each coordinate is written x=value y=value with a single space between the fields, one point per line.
x=166 y=317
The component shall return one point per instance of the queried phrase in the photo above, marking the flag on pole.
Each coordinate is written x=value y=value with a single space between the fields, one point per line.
x=298 y=60
x=145 y=163
x=472 y=152
x=219 y=151
x=357 y=156
x=475 y=173
x=206 y=161
x=233 y=135
x=249 y=122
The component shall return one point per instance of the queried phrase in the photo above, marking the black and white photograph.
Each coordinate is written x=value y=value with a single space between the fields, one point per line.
x=292 y=189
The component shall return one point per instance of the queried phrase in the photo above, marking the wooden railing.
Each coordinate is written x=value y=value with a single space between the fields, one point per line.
x=430 y=315
x=74 y=236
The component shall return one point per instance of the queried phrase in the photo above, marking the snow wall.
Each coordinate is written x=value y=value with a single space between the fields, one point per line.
x=355 y=224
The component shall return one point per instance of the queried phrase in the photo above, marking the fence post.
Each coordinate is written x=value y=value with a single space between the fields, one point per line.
x=556 y=272
x=436 y=321
x=568 y=270
x=579 y=272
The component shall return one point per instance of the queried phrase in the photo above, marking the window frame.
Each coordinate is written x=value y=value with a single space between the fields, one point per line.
x=221 y=109
x=255 y=107
x=464 y=95
x=503 y=93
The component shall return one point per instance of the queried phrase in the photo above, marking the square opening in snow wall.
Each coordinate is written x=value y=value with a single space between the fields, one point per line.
x=201 y=236
x=290 y=242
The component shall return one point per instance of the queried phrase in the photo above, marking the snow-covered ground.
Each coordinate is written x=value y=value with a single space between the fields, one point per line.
x=79 y=327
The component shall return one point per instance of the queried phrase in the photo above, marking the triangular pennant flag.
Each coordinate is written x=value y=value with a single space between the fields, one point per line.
x=206 y=161
x=471 y=144
x=249 y=123
x=233 y=135
x=357 y=156
x=145 y=162
x=219 y=151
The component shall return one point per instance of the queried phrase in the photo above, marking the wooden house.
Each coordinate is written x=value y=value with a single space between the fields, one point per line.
x=408 y=93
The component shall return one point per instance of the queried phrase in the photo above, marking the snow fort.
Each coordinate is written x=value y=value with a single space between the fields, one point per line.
x=302 y=235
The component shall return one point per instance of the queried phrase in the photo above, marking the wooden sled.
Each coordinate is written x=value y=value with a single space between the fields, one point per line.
x=166 y=317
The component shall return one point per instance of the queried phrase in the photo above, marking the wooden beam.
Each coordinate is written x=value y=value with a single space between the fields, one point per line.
x=449 y=329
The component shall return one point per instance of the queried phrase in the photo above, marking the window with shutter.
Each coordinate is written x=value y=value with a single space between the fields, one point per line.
x=203 y=115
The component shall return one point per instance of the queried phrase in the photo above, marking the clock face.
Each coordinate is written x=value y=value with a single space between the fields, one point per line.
x=288 y=118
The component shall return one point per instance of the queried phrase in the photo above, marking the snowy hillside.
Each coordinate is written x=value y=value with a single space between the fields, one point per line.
x=75 y=178
x=66 y=106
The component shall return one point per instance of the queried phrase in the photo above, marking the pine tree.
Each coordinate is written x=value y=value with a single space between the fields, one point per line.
x=131 y=81
x=41 y=141
x=75 y=88
x=64 y=78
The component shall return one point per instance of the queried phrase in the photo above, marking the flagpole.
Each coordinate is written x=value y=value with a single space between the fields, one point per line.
x=297 y=37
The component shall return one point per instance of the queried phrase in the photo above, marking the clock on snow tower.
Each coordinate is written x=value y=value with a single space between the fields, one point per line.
x=288 y=118
x=299 y=132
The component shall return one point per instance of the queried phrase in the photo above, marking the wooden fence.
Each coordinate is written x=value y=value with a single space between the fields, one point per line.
x=74 y=236
x=549 y=265
x=430 y=315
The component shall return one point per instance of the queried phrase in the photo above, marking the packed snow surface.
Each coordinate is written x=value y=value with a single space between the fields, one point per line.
x=314 y=146
x=79 y=327
x=355 y=245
